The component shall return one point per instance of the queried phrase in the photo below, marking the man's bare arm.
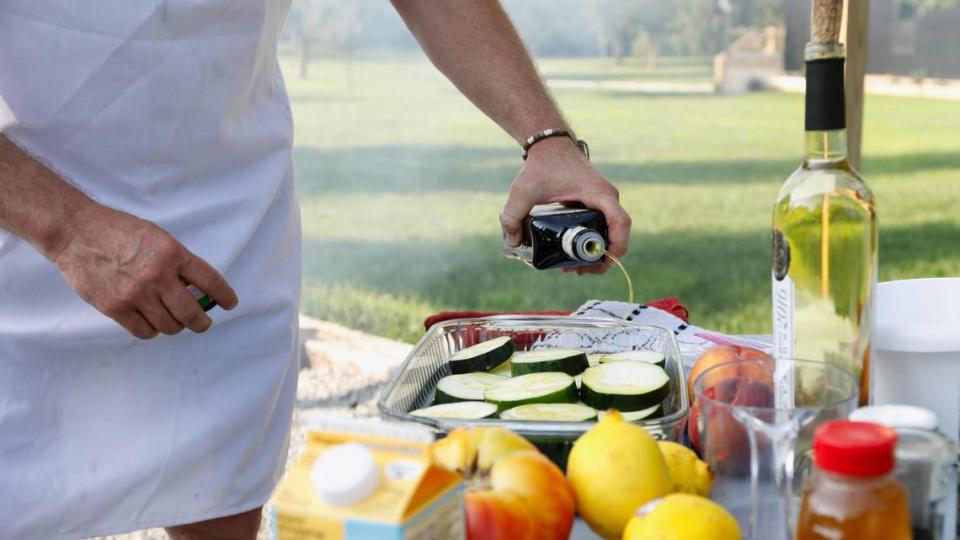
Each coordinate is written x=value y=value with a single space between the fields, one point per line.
x=476 y=46
x=128 y=268
x=34 y=202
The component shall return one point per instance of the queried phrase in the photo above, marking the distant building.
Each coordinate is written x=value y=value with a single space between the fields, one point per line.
x=751 y=62
x=903 y=39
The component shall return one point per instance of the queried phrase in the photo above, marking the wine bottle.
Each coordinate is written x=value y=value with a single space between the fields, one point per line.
x=825 y=231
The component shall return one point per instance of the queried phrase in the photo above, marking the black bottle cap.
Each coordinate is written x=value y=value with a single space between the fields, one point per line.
x=825 y=104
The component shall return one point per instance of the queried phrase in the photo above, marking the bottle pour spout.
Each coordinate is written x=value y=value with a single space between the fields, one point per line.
x=583 y=244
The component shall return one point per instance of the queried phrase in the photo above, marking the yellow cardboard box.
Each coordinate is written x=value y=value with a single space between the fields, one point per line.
x=414 y=501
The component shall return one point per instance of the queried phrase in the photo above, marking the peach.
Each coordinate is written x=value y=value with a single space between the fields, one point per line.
x=727 y=442
x=721 y=354
x=759 y=372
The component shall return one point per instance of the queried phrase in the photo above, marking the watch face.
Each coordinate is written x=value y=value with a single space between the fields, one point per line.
x=781 y=255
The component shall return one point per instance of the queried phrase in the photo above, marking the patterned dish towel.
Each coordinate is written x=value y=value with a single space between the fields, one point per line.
x=693 y=340
x=667 y=312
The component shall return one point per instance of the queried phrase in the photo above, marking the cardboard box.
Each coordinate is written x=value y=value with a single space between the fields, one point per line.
x=415 y=500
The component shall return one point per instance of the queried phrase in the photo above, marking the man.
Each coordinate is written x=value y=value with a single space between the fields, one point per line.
x=146 y=147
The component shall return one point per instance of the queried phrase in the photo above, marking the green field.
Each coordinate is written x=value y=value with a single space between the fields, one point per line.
x=401 y=182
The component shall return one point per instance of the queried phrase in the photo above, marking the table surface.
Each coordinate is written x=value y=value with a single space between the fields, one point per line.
x=582 y=532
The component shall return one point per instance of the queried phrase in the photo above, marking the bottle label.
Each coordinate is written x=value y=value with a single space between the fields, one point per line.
x=783 y=292
x=783 y=333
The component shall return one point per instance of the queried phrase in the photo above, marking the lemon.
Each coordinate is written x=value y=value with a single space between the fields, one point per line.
x=615 y=468
x=690 y=475
x=681 y=516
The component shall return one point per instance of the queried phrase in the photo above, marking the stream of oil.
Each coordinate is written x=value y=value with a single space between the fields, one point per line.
x=625 y=274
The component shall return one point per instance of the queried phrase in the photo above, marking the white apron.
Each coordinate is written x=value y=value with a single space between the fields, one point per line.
x=174 y=111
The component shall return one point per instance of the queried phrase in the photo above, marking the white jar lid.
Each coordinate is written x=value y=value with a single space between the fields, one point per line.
x=345 y=474
x=897 y=416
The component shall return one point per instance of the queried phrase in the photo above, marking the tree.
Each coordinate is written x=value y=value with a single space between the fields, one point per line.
x=328 y=24
x=706 y=27
x=933 y=4
x=700 y=28
x=755 y=13
x=617 y=25
x=552 y=27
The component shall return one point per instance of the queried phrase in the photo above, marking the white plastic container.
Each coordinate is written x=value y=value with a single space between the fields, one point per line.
x=916 y=358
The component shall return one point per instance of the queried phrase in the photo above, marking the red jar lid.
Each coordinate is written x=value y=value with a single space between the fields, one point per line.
x=850 y=448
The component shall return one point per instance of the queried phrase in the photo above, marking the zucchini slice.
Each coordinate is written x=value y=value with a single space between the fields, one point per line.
x=503 y=369
x=650 y=357
x=644 y=414
x=466 y=410
x=625 y=386
x=551 y=412
x=464 y=387
x=532 y=388
x=483 y=356
x=569 y=361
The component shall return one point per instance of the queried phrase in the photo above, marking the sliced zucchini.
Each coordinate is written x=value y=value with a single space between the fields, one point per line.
x=483 y=356
x=644 y=414
x=551 y=412
x=503 y=369
x=532 y=388
x=625 y=386
x=466 y=410
x=464 y=387
x=569 y=361
x=650 y=357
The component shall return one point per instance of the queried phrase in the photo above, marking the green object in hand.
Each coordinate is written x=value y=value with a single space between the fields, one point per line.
x=206 y=303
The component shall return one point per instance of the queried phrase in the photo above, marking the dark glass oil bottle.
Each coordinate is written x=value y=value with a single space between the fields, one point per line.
x=558 y=236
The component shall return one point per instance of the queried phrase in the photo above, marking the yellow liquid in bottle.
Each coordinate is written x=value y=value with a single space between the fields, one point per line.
x=625 y=274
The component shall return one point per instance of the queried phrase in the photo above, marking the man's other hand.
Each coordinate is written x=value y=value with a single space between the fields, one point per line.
x=136 y=273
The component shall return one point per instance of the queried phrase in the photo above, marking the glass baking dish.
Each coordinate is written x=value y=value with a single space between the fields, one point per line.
x=413 y=386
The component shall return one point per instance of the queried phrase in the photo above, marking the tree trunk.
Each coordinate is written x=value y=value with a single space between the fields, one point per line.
x=348 y=69
x=603 y=47
x=304 y=49
x=618 y=52
x=653 y=50
x=624 y=46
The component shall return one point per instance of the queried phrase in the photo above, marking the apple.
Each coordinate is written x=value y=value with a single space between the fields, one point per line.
x=513 y=491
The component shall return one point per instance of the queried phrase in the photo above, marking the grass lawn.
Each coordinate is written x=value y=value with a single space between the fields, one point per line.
x=401 y=182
